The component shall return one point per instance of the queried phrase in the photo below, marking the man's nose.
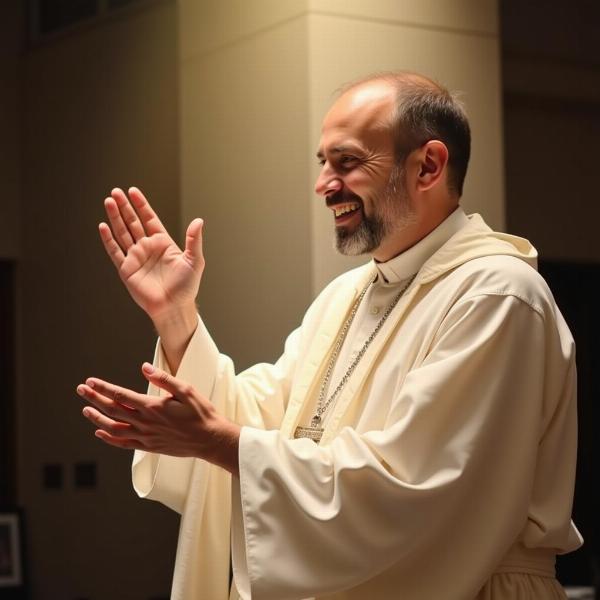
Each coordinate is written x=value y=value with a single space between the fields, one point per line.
x=327 y=182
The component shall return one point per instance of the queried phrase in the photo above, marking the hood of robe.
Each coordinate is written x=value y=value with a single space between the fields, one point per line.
x=475 y=240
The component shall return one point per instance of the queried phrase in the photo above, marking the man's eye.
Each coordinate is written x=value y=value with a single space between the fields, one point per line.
x=346 y=161
x=322 y=162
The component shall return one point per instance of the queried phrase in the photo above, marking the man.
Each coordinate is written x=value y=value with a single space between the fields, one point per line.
x=416 y=439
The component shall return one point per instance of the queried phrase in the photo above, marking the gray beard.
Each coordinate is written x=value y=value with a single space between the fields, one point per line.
x=391 y=213
x=364 y=239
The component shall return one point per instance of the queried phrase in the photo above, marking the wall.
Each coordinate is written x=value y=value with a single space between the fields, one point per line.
x=244 y=168
x=100 y=110
x=552 y=100
x=10 y=119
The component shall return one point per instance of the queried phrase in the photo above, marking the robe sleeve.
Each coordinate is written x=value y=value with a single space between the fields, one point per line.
x=455 y=463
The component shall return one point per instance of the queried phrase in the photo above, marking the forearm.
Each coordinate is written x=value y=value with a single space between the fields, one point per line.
x=175 y=329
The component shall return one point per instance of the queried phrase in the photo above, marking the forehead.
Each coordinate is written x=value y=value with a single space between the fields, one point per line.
x=361 y=116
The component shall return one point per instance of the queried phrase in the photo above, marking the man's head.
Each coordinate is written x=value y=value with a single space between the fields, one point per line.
x=394 y=151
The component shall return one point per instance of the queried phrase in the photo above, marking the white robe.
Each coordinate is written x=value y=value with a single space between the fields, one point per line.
x=447 y=465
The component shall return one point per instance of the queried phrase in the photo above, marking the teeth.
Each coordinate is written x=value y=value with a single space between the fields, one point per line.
x=346 y=208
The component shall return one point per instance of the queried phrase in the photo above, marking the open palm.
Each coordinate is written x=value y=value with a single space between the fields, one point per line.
x=159 y=276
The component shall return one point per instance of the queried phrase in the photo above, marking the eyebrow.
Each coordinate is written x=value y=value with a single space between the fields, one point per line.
x=334 y=150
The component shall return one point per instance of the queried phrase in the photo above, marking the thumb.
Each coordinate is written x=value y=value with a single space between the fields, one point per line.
x=193 y=243
x=164 y=381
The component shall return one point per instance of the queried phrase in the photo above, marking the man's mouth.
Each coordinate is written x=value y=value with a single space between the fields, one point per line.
x=343 y=209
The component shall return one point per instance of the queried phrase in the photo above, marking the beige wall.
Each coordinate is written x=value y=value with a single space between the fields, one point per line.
x=100 y=110
x=244 y=169
x=10 y=120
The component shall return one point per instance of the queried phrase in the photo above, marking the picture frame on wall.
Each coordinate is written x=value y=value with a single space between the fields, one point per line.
x=11 y=569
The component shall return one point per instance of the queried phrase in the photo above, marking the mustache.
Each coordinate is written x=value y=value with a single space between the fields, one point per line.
x=342 y=197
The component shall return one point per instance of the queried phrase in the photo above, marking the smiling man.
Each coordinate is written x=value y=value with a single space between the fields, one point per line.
x=361 y=177
x=415 y=440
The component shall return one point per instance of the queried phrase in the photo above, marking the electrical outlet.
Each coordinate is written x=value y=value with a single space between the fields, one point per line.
x=52 y=476
x=85 y=475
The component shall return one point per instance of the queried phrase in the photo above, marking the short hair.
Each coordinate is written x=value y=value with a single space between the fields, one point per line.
x=426 y=111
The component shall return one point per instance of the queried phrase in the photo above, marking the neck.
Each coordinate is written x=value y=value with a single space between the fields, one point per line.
x=410 y=234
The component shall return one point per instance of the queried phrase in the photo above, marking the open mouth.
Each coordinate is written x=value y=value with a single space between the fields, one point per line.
x=342 y=211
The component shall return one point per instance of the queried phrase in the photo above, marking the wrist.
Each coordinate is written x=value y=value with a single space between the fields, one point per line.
x=183 y=318
x=226 y=446
x=175 y=329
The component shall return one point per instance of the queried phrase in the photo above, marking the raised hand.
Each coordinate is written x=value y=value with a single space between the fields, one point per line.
x=161 y=278
x=180 y=423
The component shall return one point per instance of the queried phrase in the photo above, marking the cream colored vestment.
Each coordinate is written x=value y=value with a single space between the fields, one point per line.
x=447 y=465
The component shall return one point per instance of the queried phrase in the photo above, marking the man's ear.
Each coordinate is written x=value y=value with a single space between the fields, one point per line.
x=433 y=159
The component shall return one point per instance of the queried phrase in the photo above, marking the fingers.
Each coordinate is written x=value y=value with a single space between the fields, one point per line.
x=121 y=233
x=131 y=219
x=128 y=215
x=193 y=244
x=125 y=443
x=177 y=388
x=112 y=412
x=150 y=221
x=116 y=429
x=110 y=245
x=114 y=400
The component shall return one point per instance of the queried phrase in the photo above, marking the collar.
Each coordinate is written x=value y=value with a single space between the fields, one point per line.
x=407 y=263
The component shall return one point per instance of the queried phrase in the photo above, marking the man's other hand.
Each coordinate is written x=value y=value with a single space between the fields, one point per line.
x=160 y=277
x=181 y=422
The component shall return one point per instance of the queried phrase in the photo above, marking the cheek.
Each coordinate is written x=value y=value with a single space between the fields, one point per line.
x=364 y=185
x=367 y=176
x=359 y=183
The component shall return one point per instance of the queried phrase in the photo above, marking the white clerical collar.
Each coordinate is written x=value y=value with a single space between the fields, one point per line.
x=405 y=265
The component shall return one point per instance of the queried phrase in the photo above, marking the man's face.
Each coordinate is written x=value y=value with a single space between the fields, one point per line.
x=359 y=178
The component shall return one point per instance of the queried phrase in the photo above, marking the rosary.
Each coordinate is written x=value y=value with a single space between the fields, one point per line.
x=315 y=430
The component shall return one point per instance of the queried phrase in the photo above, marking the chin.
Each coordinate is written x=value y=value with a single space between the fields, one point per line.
x=345 y=251
x=363 y=239
x=353 y=245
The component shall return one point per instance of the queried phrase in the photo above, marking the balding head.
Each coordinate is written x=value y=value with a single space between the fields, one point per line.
x=366 y=105
x=420 y=110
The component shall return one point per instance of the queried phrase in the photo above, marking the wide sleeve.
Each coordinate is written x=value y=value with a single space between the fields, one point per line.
x=454 y=465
